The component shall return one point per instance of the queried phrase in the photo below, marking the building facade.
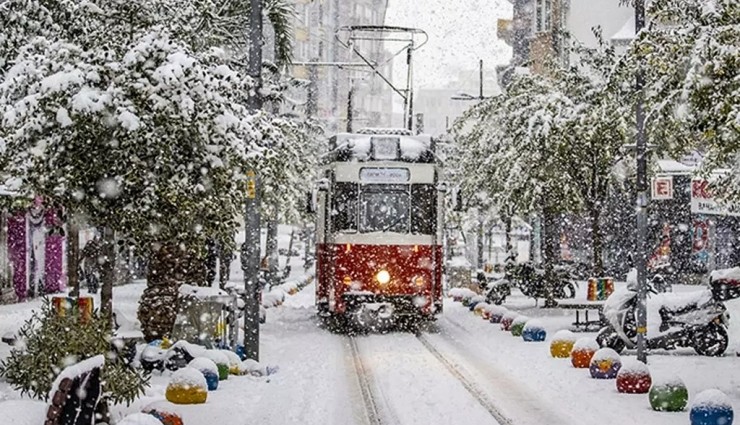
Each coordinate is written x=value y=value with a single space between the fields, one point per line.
x=330 y=80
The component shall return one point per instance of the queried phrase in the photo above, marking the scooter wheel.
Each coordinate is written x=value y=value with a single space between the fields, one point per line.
x=608 y=338
x=711 y=340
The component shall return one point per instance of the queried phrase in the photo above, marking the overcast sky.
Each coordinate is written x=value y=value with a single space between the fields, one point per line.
x=460 y=33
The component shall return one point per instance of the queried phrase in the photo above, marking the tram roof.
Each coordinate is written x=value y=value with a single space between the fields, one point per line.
x=382 y=145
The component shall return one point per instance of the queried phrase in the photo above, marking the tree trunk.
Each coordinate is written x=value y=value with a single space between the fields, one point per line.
x=479 y=240
x=107 y=272
x=509 y=247
x=73 y=257
x=551 y=242
x=597 y=241
x=271 y=250
x=158 y=304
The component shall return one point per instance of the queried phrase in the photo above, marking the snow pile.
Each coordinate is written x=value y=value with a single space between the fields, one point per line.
x=732 y=274
x=633 y=367
x=667 y=380
x=461 y=293
x=216 y=356
x=605 y=354
x=193 y=350
x=24 y=412
x=234 y=360
x=188 y=377
x=254 y=368
x=76 y=370
x=533 y=325
x=510 y=315
x=586 y=343
x=519 y=320
x=497 y=310
x=564 y=335
x=712 y=398
x=204 y=365
x=205 y=293
x=140 y=419
x=477 y=299
x=274 y=298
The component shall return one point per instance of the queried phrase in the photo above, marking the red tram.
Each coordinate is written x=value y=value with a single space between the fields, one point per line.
x=379 y=230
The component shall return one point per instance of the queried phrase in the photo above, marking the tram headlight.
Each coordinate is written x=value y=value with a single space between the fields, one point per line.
x=383 y=277
x=418 y=281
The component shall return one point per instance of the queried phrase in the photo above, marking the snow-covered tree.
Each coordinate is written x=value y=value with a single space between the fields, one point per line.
x=549 y=143
x=692 y=61
x=140 y=127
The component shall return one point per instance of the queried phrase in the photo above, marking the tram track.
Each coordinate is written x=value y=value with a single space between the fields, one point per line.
x=470 y=386
x=365 y=383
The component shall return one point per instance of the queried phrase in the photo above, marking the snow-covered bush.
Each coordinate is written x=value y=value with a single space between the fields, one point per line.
x=49 y=342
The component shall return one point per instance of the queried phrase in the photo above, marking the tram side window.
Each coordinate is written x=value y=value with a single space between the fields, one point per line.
x=344 y=207
x=423 y=209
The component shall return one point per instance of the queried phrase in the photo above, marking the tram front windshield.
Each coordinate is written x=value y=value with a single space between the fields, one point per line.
x=384 y=208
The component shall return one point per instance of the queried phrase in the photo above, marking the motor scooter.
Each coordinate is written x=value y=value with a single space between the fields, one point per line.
x=698 y=320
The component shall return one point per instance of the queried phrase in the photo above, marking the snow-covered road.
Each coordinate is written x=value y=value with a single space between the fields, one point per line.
x=460 y=370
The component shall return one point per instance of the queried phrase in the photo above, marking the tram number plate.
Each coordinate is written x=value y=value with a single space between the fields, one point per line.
x=384 y=175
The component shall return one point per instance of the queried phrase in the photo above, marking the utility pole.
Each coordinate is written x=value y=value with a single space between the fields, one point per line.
x=350 y=104
x=250 y=258
x=480 y=78
x=642 y=198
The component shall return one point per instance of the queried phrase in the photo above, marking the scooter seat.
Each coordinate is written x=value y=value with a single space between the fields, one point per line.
x=668 y=313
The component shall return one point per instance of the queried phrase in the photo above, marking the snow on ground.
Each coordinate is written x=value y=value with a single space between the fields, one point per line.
x=414 y=387
x=521 y=375
x=317 y=382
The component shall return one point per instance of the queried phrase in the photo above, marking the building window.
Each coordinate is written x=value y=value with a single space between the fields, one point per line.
x=543 y=18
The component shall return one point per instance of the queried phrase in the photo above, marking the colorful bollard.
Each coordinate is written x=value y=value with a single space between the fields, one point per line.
x=669 y=395
x=634 y=377
x=209 y=370
x=562 y=344
x=605 y=364
x=507 y=320
x=534 y=331
x=711 y=407
x=497 y=313
x=583 y=350
x=517 y=325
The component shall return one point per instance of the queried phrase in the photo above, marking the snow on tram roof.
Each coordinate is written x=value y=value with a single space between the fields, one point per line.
x=372 y=146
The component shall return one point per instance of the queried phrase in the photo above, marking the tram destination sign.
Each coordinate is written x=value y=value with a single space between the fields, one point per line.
x=384 y=175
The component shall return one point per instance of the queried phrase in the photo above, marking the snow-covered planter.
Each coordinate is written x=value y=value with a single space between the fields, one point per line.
x=517 y=325
x=480 y=309
x=507 y=320
x=669 y=395
x=234 y=361
x=497 y=313
x=254 y=368
x=274 y=298
x=605 y=364
x=140 y=419
x=634 y=377
x=474 y=301
x=711 y=407
x=187 y=386
x=163 y=414
x=562 y=344
x=209 y=370
x=222 y=362
x=534 y=331
x=583 y=350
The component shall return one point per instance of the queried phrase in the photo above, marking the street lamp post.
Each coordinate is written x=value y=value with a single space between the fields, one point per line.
x=642 y=198
x=480 y=97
